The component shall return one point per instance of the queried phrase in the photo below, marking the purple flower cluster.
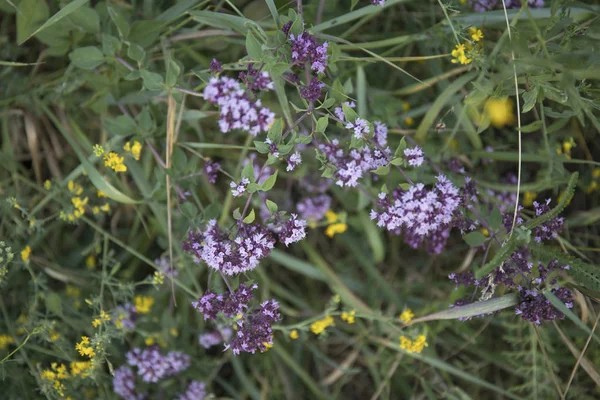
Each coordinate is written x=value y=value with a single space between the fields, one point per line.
x=414 y=156
x=306 y=49
x=215 y=337
x=293 y=161
x=211 y=170
x=419 y=213
x=314 y=208
x=195 y=391
x=380 y=133
x=352 y=166
x=254 y=330
x=487 y=5
x=126 y=315
x=292 y=231
x=229 y=304
x=256 y=80
x=124 y=384
x=166 y=267
x=152 y=366
x=238 y=189
x=215 y=66
x=535 y=307
x=360 y=127
x=213 y=246
x=238 y=111
x=312 y=91
x=378 y=2
x=549 y=229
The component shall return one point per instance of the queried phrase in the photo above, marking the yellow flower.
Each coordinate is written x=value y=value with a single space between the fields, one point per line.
x=528 y=198
x=592 y=187
x=349 y=317
x=84 y=347
x=409 y=121
x=485 y=232
x=75 y=188
x=405 y=106
x=135 y=149
x=47 y=184
x=5 y=340
x=567 y=146
x=101 y=194
x=500 y=111
x=48 y=375
x=267 y=345
x=407 y=316
x=475 y=33
x=596 y=173
x=319 y=326
x=294 y=334
x=105 y=207
x=332 y=230
x=103 y=317
x=90 y=261
x=54 y=336
x=113 y=161
x=337 y=298
x=26 y=253
x=415 y=346
x=143 y=304
x=459 y=55
x=174 y=332
x=149 y=341
x=79 y=206
x=96 y=210
x=81 y=368
x=334 y=226
x=73 y=291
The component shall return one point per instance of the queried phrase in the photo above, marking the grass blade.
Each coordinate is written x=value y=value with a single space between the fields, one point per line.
x=65 y=11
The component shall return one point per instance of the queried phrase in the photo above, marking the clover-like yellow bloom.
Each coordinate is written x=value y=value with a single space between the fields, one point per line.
x=135 y=149
x=26 y=253
x=294 y=334
x=113 y=161
x=415 y=346
x=475 y=33
x=84 y=347
x=143 y=304
x=349 y=317
x=500 y=112
x=407 y=316
x=319 y=326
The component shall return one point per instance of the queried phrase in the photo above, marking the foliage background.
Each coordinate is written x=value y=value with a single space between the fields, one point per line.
x=64 y=89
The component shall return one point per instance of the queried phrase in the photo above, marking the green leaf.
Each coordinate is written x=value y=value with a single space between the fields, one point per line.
x=86 y=57
x=253 y=47
x=261 y=147
x=361 y=91
x=273 y=9
x=54 y=303
x=322 y=123
x=560 y=306
x=248 y=172
x=110 y=44
x=401 y=147
x=349 y=113
x=122 y=125
x=397 y=161
x=383 y=170
x=253 y=187
x=353 y=4
x=189 y=210
x=173 y=72
x=272 y=206
x=226 y=21
x=495 y=218
x=474 y=239
x=250 y=218
x=152 y=81
x=136 y=52
x=276 y=131
x=144 y=33
x=270 y=182
x=86 y=19
x=529 y=99
x=237 y=215
x=120 y=22
x=532 y=127
x=473 y=309
x=32 y=10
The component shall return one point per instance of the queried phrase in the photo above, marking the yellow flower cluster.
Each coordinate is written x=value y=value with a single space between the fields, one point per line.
x=460 y=56
x=143 y=304
x=81 y=368
x=26 y=253
x=408 y=121
x=53 y=335
x=135 y=149
x=158 y=278
x=267 y=346
x=415 y=346
x=105 y=207
x=5 y=340
x=294 y=334
x=103 y=317
x=566 y=147
x=407 y=316
x=75 y=188
x=54 y=375
x=349 y=317
x=594 y=185
x=528 y=198
x=334 y=225
x=500 y=111
x=115 y=162
x=475 y=33
x=319 y=326
x=47 y=184
x=84 y=348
